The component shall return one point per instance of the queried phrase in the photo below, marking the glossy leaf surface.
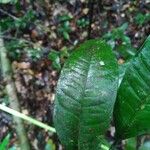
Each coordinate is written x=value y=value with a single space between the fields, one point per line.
x=132 y=108
x=85 y=96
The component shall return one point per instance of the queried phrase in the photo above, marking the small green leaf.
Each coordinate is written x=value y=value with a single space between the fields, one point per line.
x=83 y=22
x=123 y=27
x=5 y=142
x=55 y=58
x=126 y=51
x=85 y=96
x=50 y=145
x=130 y=144
x=66 y=35
x=140 y=19
x=132 y=108
x=65 y=17
x=104 y=144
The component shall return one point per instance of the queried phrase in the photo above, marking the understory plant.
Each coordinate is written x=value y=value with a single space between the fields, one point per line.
x=89 y=95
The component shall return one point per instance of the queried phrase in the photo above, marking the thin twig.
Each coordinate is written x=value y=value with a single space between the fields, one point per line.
x=100 y=6
x=8 y=14
x=14 y=38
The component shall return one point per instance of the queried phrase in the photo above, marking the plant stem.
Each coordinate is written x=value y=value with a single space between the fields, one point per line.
x=104 y=147
x=27 y=118
x=91 y=6
x=12 y=94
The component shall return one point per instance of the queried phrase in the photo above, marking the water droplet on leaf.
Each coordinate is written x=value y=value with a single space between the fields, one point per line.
x=102 y=63
x=143 y=106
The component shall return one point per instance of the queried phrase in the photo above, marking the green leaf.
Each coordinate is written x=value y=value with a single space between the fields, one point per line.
x=5 y=142
x=123 y=27
x=140 y=19
x=104 y=144
x=50 y=145
x=122 y=70
x=85 y=96
x=126 y=51
x=132 y=108
x=55 y=58
x=66 y=35
x=130 y=144
x=65 y=17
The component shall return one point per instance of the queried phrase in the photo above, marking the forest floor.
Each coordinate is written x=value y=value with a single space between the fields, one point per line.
x=57 y=28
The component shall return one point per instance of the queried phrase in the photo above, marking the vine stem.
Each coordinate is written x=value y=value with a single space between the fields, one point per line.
x=104 y=147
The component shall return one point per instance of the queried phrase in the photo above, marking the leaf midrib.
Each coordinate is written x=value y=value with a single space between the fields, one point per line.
x=84 y=87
